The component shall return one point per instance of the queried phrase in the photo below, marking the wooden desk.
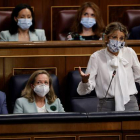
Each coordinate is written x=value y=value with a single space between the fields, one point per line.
x=71 y=126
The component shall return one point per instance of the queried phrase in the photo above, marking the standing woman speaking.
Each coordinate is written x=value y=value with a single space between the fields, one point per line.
x=115 y=57
x=23 y=26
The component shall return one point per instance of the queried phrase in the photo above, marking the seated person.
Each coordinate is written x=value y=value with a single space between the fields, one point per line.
x=38 y=95
x=3 y=105
x=22 y=26
x=135 y=33
x=88 y=24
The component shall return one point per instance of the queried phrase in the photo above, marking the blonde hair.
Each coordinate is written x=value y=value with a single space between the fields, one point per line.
x=29 y=93
x=114 y=26
x=98 y=28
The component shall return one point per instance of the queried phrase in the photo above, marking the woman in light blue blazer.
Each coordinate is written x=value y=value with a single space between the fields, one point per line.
x=38 y=95
x=22 y=26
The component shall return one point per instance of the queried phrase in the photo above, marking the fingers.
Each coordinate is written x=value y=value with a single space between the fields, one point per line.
x=82 y=73
x=80 y=70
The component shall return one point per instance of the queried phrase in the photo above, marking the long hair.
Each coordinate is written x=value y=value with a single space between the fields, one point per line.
x=14 y=27
x=98 y=28
x=30 y=94
x=114 y=26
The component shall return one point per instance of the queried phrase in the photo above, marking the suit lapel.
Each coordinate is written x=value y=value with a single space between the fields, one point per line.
x=47 y=105
x=14 y=37
x=33 y=36
x=35 y=107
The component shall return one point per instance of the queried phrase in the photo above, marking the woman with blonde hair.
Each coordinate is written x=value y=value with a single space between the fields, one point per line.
x=38 y=95
x=88 y=24
x=113 y=72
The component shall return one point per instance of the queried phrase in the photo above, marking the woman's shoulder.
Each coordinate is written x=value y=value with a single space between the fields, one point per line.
x=128 y=49
x=98 y=53
x=22 y=100
x=57 y=100
x=5 y=32
x=39 y=30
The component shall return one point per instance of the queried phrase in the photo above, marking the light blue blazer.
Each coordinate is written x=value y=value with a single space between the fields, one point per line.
x=38 y=35
x=22 y=105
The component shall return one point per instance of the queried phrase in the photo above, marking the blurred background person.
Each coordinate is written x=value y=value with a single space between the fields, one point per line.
x=38 y=95
x=88 y=24
x=3 y=105
x=135 y=33
x=23 y=26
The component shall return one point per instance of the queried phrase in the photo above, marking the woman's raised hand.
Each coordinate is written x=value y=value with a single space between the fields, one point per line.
x=84 y=76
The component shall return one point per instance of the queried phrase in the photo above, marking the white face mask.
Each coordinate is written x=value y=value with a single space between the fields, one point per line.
x=41 y=90
x=88 y=22
x=114 y=45
x=24 y=23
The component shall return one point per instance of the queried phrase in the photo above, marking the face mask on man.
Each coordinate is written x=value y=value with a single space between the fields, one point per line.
x=115 y=45
x=41 y=90
x=24 y=23
x=88 y=22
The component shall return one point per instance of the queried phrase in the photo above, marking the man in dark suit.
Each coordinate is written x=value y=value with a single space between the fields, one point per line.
x=3 y=105
x=135 y=33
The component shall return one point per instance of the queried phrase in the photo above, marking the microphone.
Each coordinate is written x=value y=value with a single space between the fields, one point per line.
x=114 y=73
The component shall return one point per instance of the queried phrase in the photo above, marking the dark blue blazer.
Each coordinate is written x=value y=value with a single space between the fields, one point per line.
x=135 y=33
x=3 y=105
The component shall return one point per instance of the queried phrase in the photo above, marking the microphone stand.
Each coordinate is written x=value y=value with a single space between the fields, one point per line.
x=114 y=72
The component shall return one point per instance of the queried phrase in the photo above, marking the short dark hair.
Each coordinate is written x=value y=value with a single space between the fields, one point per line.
x=14 y=27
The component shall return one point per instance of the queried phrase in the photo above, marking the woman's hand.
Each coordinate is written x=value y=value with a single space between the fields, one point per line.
x=84 y=76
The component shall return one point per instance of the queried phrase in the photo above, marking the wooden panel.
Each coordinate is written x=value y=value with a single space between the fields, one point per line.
x=76 y=61
x=132 y=137
x=101 y=137
x=71 y=2
x=15 y=138
x=46 y=17
x=56 y=138
x=130 y=125
x=59 y=127
x=105 y=3
x=119 y=10
x=19 y=71
x=33 y=62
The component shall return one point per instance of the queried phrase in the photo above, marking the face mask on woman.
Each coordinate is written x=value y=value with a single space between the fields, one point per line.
x=88 y=22
x=24 y=23
x=41 y=90
x=115 y=45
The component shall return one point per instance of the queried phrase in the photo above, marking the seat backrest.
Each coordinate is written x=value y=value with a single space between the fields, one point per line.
x=17 y=84
x=5 y=19
x=64 y=22
x=131 y=18
x=77 y=103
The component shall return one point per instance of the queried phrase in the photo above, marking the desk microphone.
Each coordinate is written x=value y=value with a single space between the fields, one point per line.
x=114 y=72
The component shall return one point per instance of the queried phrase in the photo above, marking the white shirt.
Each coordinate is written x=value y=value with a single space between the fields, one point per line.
x=101 y=66
x=41 y=109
